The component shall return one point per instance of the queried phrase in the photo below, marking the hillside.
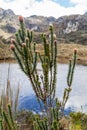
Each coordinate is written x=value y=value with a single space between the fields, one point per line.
x=65 y=52
x=71 y=28
x=5 y=52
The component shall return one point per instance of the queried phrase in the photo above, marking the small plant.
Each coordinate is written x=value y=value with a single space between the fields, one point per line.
x=7 y=121
x=44 y=84
x=84 y=122
x=79 y=119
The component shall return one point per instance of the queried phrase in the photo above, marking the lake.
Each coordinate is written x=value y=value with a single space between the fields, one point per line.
x=27 y=100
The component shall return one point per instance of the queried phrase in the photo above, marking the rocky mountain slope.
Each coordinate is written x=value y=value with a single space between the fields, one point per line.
x=68 y=29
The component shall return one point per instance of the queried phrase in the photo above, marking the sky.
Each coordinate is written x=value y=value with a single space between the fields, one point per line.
x=55 y=8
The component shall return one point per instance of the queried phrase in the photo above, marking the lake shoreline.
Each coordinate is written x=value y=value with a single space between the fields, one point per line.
x=65 y=52
x=61 y=59
x=27 y=99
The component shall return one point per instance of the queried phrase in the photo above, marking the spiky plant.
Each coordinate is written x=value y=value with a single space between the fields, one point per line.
x=7 y=121
x=44 y=84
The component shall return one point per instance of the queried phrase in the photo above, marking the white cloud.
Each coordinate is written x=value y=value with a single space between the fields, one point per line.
x=83 y=2
x=44 y=7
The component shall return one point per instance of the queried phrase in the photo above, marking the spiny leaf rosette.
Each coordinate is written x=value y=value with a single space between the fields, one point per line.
x=44 y=82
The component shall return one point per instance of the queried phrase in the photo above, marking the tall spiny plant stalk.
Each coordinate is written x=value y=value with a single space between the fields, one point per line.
x=44 y=84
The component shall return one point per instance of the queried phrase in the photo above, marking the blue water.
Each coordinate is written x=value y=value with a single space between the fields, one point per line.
x=27 y=99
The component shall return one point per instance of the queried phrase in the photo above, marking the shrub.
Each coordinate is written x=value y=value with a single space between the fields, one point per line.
x=44 y=84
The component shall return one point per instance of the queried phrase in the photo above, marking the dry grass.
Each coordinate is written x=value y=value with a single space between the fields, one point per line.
x=65 y=52
x=5 y=34
x=5 y=52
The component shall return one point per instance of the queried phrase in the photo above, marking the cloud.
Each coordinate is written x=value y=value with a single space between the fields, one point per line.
x=83 y=2
x=8 y=0
x=44 y=7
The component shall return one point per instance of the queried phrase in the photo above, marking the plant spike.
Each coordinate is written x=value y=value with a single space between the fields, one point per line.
x=8 y=117
x=1 y=125
x=69 y=78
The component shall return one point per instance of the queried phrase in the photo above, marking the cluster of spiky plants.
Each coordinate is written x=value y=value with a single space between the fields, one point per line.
x=79 y=119
x=41 y=122
x=44 y=83
x=7 y=121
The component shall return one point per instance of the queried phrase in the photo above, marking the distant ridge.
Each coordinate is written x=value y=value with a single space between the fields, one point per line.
x=72 y=28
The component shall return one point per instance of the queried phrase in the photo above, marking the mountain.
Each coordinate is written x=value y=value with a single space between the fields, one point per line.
x=73 y=28
x=68 y=29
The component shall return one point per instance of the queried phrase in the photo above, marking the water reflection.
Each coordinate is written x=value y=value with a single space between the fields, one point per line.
x=27 y=99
